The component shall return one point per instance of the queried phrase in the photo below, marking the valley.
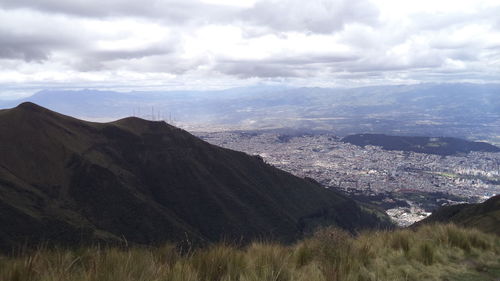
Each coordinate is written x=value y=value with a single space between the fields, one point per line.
x=142 y=200
x=408 y=185
x=249 y=140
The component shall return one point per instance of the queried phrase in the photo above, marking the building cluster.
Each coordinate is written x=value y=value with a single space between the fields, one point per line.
x=369 y=170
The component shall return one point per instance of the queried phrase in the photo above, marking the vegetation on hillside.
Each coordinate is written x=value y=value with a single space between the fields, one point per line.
x=439 y=146
x=431 y=252
x=484 y=216
x=69 y=181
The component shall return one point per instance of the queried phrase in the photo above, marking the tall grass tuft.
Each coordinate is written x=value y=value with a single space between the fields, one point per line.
x=401 y=240
x=458 y=237
x=303 y=254
x=335 y=252
x=434 y=252
x=218 y=262
x=268 y=262
x=426 y=253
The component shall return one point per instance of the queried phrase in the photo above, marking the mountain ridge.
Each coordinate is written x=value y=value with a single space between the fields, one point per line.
x=72 y=181
x=430 y=145
x=484 y=216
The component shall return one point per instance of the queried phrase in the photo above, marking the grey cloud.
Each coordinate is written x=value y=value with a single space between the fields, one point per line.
x=129 y=54
x=339 y=70
x=174 y=12
x=358 y=75
x=393 y=64
x=39 y=47
x=38 y=38
x=465 y=50
x=162 y=63
x=91 y=60
x=307 y=60
x=12 y=50
x=446 y=76
x=257 y=69
x=447 y=44
x=338 y=65
x=464 y=55
x=317 y=16
x=77 y=7
x=283 y=66
x=28 y=47
x=355 y=24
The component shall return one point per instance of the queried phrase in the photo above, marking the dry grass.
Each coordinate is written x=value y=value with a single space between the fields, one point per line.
x=436 y=252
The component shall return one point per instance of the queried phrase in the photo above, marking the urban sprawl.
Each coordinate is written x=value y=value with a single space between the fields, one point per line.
x=370 y=170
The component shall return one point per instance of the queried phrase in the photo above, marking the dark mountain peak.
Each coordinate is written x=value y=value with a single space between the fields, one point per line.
x=131 y=119
x=29 y=106
x=33 y=121
x=134 y=121
x=139 y=125
x=30 y=110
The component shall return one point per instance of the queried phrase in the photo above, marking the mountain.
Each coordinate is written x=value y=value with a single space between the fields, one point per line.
x=439 y=146
x=71 y=181
x=461 y=110
x=485 y=216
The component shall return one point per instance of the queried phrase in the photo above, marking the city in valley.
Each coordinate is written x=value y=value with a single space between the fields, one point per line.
x=407 y=185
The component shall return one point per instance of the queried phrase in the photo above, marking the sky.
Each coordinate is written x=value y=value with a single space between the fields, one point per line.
x=216 y=44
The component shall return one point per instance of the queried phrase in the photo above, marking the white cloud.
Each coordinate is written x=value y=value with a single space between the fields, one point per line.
x=237 y=3
x=317 y=16
x=182 y=43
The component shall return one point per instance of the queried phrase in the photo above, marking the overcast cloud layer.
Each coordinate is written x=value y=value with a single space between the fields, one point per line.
x=154 y=44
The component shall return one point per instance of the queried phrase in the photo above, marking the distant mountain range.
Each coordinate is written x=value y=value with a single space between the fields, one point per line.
x=439 y=146
x=468 y=111
x=70 y=181
x=484 y=216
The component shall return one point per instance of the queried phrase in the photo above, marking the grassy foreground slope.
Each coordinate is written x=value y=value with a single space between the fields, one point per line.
x=432 y=252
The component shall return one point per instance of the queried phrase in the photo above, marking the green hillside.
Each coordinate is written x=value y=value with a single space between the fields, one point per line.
x=439 y=146
x=67 y=181
x=484 y=216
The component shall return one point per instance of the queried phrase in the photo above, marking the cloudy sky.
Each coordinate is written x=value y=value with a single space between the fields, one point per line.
x=207 y=44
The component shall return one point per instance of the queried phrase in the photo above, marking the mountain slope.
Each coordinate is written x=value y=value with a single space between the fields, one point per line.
x=439 y=146
x=66 y=180
x=485 y=216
